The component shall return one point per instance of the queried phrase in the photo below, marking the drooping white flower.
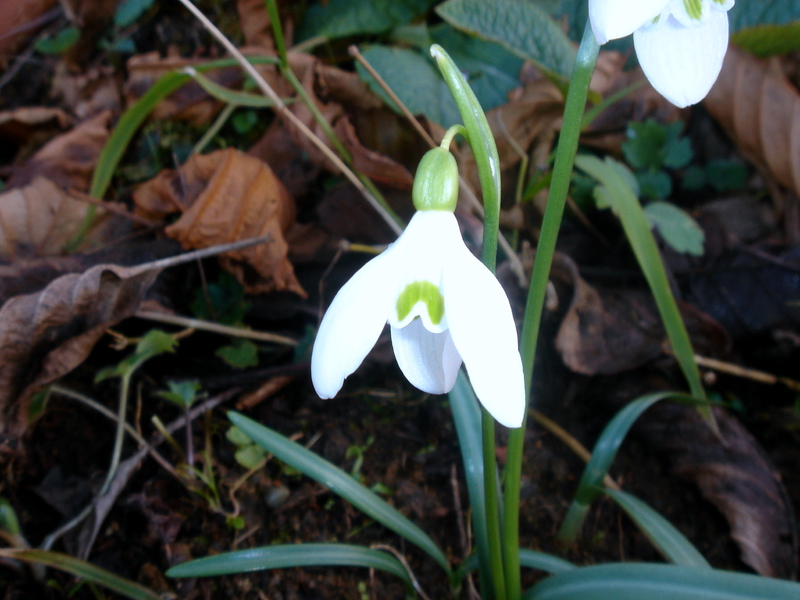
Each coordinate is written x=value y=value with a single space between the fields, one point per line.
x=680 y=43
x=443 y=306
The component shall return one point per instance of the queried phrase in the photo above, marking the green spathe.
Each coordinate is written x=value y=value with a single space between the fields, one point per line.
x=421 y=291
x=436 y=182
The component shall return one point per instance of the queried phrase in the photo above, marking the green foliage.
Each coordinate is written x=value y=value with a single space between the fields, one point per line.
x=678 y=229
x=340 y=483
x=523 y=27
x=8 y=518
x=766 y=27
x=248 y=453
x=182 y=393
x=153 y=343
x=652 y=147
x=342 y=18
x=412 y=75
x=241 y=354
x=227 y=301
x=129 y=11
x=59 y=42
x=618 y=193
x=643 y=581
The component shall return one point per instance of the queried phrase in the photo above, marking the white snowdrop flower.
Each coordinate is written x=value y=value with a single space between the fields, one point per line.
x=442 y=304
x=680 y=43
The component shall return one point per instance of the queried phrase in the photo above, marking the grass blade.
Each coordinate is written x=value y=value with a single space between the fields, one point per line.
x=467 y=419
x=291 y=555
x=605 y=450
x=340 y=483
x=670 y=542
x=83 y=570
x=646 y=581
x=613 y=177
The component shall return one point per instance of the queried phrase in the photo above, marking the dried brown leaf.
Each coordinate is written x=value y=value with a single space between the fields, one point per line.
x=255 y=24
x=88 y=92
x=738 y=477
x=20 y=21
x=20 y=125
x=68 y=159
x=45 y=335
x=760 y=109
x=227 y=196
x=41 y=218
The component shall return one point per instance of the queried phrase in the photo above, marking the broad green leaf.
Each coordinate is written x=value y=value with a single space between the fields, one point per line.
x=490 y=69
x=523 y=27
x=130 y=10
x=414 y=79
x=678 y=229
x=290 y=555
x=83 y=570
x=604 y=453
x=614 y=178
x=181 y=393
x=672 y=544
x=643 y=581
x=340 y=483
x=342 y=18
x=242 y=354
x=60 y=42
x=766 y=27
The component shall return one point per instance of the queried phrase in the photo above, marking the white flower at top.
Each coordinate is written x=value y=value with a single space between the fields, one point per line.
x=680 y=43
x=442 y=304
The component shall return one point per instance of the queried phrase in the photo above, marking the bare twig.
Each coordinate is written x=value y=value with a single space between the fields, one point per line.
x=406 y=566
x=745 y=372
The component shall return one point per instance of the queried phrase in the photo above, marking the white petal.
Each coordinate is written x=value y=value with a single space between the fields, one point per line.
x=612 y=19
x=428 y=360
x=353 y=323
x=682 y=63
x=484 y=334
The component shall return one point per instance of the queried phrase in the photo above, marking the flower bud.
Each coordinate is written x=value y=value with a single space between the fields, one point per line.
x=436 y=182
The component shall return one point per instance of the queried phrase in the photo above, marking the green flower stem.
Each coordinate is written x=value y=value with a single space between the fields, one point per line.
x=562 y=172
x=481 y=141
x=496 y=563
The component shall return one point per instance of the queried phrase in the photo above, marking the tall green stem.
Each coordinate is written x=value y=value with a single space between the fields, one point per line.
x=493 y=524
x=562 y=172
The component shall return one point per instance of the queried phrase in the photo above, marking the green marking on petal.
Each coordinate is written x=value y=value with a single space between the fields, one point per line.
x=694 y=8
x=421 y=291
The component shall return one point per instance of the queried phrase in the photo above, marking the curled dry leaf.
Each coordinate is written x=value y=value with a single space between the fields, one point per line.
x=45 y=335
x=610 y=331
x=38 y=213
x=760 y=110
x=227 y=196
x=737 y=477
x=19 y=127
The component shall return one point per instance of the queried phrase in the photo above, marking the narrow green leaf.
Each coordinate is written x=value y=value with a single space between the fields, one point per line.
x=131 y=120
x=604 y=453
x=290 y=555
x=670 y=542
x=129 y=11
x=646 y=581
x=340 y=483
x=532 y=559
x=614 y=178
x=226 y=95
x=520 y=25
x=767 y=27
x=83 y=570
x=467 y=419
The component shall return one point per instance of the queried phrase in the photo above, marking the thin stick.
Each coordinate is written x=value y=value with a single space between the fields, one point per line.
x=281 y=107
x=172 y=261
x=745 y=372
x=261 y=336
